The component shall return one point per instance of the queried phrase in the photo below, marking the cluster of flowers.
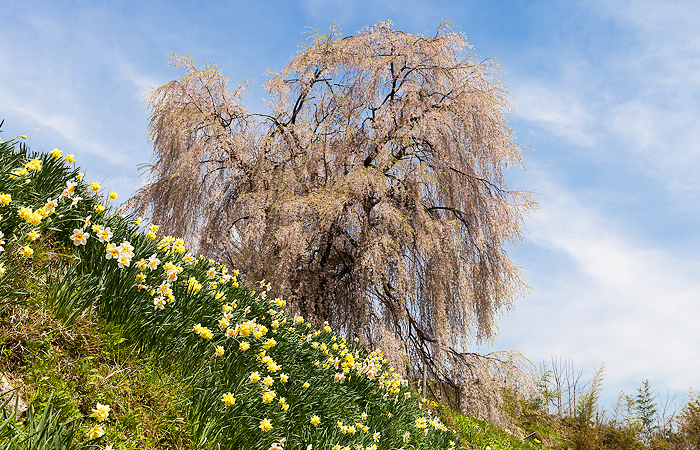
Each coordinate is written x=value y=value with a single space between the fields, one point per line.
x=33 y=165
x=101 y=413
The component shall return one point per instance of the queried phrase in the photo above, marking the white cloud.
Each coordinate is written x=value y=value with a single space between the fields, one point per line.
x=66 y=123
x=620 y=301
x=142 y=82
x=558 y=111
x=657 y=113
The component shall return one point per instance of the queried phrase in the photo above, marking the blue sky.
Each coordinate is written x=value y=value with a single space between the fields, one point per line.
x=607 y=97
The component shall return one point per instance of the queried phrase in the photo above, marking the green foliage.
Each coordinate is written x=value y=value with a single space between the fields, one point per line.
x=646 y=410
x=40 y=431
x=482 y=435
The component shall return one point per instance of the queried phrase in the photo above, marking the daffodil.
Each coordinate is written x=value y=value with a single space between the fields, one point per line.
x=27 y=251
x=33 y=165
x=56 y=153
x=5 y=199
x=228 y=399
x=101 y=412
x=268 y=396
x=104 y=234
x=68 y=190
x=111 y=251
x=265 y=425
x=124 y=261
x=95 y=186
x=70 y=158
x=315 y=420
x=206 y=333
x=79 y=237
x=153 y=262
x=96 y=432
x=112 y=195
x=219 y=350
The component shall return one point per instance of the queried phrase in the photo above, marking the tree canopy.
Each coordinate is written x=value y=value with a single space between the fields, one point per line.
x=371 y=193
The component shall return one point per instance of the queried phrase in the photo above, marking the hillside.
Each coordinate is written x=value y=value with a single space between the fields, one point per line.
x=120 y=338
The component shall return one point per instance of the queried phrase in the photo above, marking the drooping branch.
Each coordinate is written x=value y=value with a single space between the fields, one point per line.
x=371 y=192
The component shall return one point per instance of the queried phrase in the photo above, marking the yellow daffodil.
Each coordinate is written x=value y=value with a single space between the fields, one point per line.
x=101 y=412
x=33 y=165
x=228 y=399
x=268 y=396
x=268 y=381
x=265 y=425
x=96 y=432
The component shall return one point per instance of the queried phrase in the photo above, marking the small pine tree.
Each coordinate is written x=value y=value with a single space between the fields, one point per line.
x=646 y=412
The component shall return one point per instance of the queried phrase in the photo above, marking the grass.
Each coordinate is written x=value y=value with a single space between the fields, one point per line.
x=66 y=366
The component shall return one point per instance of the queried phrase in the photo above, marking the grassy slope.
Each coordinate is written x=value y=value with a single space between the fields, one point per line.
x=74 y=366
x=77 y=332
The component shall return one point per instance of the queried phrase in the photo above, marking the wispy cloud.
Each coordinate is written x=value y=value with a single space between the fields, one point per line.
x=557 y=111
x=633 y=306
